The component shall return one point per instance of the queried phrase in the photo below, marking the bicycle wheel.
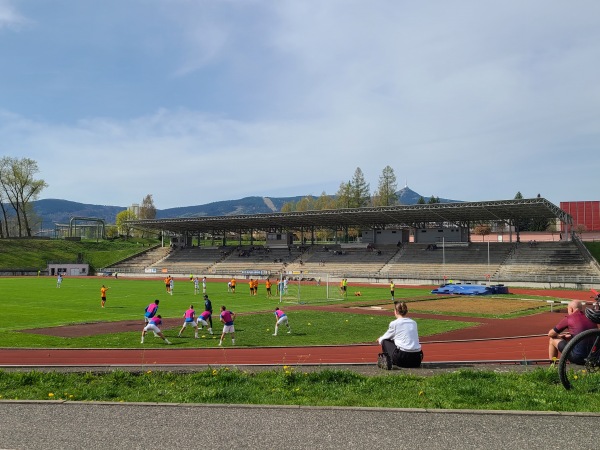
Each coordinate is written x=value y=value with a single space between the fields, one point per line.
x=581 y=373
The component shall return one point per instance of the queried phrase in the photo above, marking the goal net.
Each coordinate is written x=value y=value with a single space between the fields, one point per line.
x=302 y=288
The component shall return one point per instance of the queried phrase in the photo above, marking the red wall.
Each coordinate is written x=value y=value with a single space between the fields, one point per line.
x=584 y=213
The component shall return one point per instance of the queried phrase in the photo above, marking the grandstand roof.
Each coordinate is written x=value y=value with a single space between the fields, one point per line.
x=460 y=213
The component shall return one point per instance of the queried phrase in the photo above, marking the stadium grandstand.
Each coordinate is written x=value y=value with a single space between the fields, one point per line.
x=430 y=243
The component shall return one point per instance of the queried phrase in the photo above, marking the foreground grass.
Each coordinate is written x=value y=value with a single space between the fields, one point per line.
x=537 y=390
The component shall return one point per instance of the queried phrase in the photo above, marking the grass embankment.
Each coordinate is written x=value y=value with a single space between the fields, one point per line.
x=537 y=390
x=35 y=254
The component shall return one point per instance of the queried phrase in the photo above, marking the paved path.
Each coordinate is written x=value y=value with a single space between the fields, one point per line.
x=74 y=425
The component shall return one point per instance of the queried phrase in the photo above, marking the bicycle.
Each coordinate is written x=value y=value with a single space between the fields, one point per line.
x=576 y=367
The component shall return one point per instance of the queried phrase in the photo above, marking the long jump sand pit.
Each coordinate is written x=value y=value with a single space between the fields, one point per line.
x=475 y=305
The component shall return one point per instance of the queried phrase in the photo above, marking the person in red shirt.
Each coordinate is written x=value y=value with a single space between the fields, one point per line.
x=570 y=326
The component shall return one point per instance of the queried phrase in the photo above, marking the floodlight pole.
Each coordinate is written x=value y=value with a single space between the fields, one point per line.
x=444 y=255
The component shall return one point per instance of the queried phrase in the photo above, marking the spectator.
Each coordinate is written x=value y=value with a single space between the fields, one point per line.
x=574 y=323
x=400 y=343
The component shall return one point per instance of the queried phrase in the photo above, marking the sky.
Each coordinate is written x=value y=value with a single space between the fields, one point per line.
x=197 y=101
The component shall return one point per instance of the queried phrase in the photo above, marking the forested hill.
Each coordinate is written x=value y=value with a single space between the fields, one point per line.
x=61 y=211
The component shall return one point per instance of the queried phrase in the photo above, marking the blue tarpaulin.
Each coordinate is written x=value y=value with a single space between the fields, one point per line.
x=470 y=289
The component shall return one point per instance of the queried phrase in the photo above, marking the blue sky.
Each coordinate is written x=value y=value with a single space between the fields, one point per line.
x=195 y=101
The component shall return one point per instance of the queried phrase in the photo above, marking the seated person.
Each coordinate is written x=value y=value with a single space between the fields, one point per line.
x=400 y=343
x=574 y=323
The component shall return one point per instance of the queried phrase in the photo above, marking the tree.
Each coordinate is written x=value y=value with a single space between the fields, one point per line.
x=20 y=187
x=288 y=207
x=421 y=201
x=306 y=203
x=147 y=208
x=343 y=196
x=482 y=230
x=121 y=219
x=386 y=191
x=324 y=202
x=359 y=190
x=147 y=211
x=433 y=199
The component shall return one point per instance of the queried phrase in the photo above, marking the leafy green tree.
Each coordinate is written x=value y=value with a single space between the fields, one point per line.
x=288 y=207
x=18 y=183
x=433 y=199
x=421 y=201
x=386 y=191
x=121 y=222
x=305 y=203
x=324 y=202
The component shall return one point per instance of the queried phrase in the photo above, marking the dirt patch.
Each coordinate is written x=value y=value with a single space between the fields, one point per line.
x=96 y=328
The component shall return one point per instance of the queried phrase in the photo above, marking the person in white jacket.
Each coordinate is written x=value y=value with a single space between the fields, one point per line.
x=400 y=343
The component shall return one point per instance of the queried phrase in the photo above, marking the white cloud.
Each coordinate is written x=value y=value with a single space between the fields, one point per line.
x=464 y=100
x=9 y=16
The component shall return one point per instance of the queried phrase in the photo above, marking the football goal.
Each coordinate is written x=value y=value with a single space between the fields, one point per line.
x=305 y=288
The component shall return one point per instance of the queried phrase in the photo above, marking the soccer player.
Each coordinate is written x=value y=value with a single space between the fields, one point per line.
x=196 y=286
x=280 y=319
x=151 y=311
x=256 y=287
x=268 y=287
x=168 y=283
x=189 y=320
x=103 y=290
x=58 y=280
x=204 y=319
x=233 y=285
x=392 y=287
x=204 y=285
x=171 y=285
x=153 y=326
x=227 y=317
x=208 y=307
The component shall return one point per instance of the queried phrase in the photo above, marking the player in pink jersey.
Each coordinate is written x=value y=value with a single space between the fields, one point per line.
x=153 y=326
x=189 y=320
x=280 y=319
x=227 y=317
x=203 y=321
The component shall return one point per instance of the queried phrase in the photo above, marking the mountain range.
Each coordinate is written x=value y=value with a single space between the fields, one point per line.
x=54 y=211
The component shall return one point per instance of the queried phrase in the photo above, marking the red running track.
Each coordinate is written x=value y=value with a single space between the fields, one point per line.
x=516 y=349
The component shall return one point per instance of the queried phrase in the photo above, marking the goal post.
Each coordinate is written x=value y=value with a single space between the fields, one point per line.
x=304 y=287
